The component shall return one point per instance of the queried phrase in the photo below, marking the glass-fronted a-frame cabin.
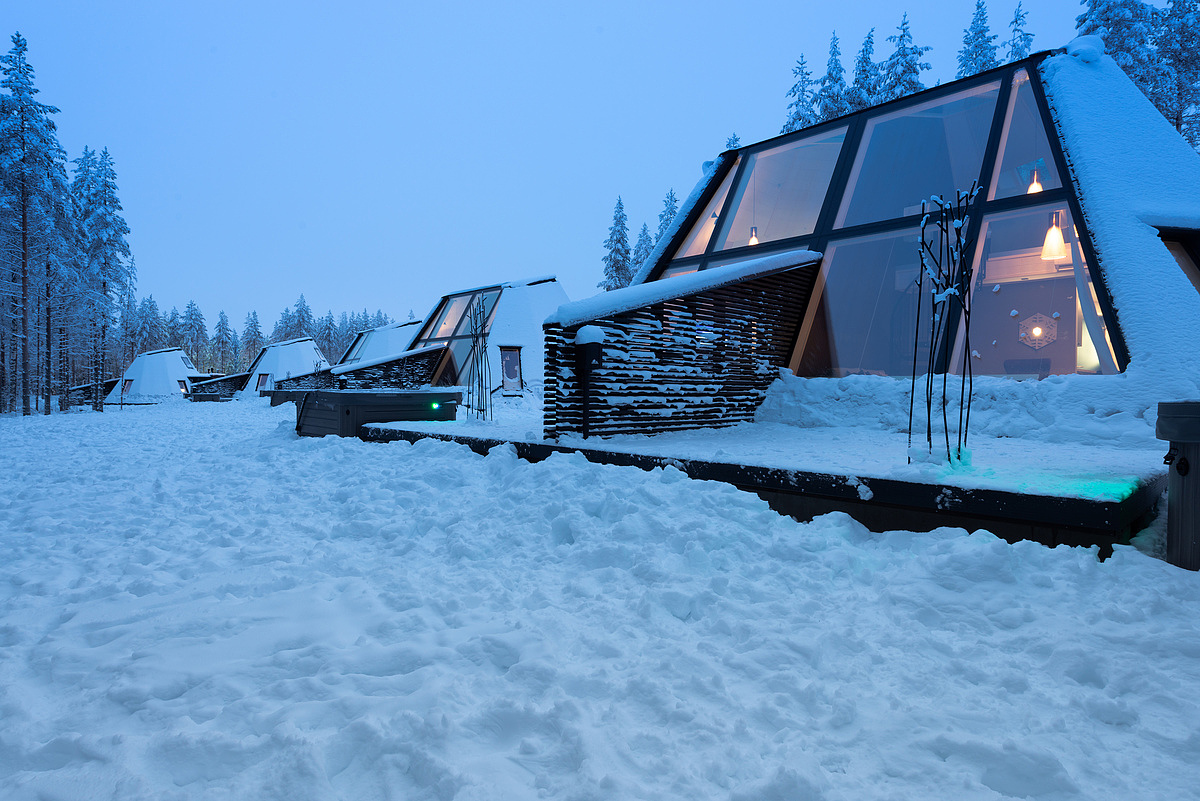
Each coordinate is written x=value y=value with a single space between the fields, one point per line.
x=852 y=188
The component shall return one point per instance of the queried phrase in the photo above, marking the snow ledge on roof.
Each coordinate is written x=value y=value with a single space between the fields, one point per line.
x=350 y=367
x=639 y=295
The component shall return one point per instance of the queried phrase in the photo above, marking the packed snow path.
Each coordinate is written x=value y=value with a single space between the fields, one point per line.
x=195 y=603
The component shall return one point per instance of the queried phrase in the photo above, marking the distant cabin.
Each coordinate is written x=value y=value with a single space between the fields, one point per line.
x=155 y=376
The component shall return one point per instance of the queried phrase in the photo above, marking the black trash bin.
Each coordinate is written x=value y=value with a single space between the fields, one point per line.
x=1179 y=423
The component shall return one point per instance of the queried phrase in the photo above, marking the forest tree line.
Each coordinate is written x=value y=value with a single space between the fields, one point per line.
x=69 y=313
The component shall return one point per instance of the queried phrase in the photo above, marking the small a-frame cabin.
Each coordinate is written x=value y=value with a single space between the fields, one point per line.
x=801 y=253
x=274 y=362
x=156 y=376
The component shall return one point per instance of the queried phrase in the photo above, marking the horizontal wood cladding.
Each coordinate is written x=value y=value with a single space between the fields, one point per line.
x=409 y=372
x=222 y=387
x=699 y=361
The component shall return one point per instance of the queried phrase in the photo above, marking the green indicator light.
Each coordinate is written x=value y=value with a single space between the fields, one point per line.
x=437 y=405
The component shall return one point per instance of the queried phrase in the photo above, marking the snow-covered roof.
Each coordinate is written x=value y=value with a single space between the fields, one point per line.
x=383 y=341
x=710 y=169
x=158 y=374
x=1133 y=173
x=638 y=295
x=292 y=358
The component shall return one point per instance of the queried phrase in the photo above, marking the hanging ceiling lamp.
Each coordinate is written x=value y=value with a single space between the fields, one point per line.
x=753 y=235
x=1054 y=248
x=1035 y=185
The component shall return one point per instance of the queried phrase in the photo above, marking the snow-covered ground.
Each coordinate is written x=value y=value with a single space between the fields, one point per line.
x=195 y=603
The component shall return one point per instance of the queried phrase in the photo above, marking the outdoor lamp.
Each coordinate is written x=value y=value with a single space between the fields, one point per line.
x=1054 y=248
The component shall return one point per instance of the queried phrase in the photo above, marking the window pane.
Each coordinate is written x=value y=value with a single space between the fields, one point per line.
x=697 y=240
x=1025 y=165
x=451 y=313
x=673 y=271
x=935 y=148
x=864 y=316
x=1184 y=259
x=781 y=191
x=1034 y=310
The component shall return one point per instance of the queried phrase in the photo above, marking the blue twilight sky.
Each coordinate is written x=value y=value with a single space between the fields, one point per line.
x=380 y=154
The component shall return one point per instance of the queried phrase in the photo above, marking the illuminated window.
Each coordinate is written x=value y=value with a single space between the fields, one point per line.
x=183 y=387
x=702 y=231
x=1025 y=165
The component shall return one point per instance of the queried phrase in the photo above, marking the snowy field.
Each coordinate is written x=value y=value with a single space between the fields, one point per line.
x=195 y=603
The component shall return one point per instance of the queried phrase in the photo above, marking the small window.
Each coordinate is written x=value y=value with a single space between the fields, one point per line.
x=187 y=362
x=1026 y=165
x=510 y=368
x=183 y=387
x=126 y=385
x=264 y=381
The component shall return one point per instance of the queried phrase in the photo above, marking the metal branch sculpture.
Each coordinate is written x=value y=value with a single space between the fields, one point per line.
x=479 y=377
x=944 y=281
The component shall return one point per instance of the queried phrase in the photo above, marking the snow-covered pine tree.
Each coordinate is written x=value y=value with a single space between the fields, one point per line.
x=284 y=326
x=801 y=111
x=33 y=211
x=1178 y=44
x=733 y=142
x=641 y=249
x=901 y=72
x=864 y=91
x=1020 y=42
x=616 y=252
x=151 y=333
x=830 y=99
x=302 y=319
x=252 y=338
x=1128 y=28
x=327 y=336
x=978 y=52
x=195 y=334
x=223 y=349
x=129 y=343
x=667 y=215
x=173 y=327
x=108 y=270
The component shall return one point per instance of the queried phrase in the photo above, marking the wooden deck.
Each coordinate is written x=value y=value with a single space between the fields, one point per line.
x=879 y=504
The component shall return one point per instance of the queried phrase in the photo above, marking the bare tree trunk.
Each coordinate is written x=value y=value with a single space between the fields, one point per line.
x=49 y=378
x=25 y=410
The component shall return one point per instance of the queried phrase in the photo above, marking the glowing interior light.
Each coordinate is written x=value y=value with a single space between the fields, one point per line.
x=753 y=235
x=1037 y=331
x=1054 y=248
x=1035 y=185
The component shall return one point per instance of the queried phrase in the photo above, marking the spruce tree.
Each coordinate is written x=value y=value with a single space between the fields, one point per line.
x=864 y=91
x=195 y=334
x=978 y=53
x=285 y=326
x=830 y=99
x=1128 y=27
x=33 y=194
x=1178 y=45
x=223 y=349
x=1020 y=43
x=327 y=336
x=173 y=327
x=901 y=74
x=801 y=112
x=252 y=338
x=641 y=249
x=667 y=215
x=150 y=332
x=617 y=272
x=302 y=320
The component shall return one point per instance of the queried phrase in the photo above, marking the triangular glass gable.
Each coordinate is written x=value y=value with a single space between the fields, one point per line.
x=1026 y=163
x=702 y=231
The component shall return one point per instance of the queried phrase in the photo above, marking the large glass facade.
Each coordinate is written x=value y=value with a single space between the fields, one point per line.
x=1037 y=310
x=934 y=148
x=781 y=191
x=451 y=325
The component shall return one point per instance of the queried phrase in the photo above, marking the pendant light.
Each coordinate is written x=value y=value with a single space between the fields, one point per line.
x=1054 y=248
x=1035 y=185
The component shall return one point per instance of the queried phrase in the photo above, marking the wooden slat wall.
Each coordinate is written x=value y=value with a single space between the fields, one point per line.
x=411 y=372
x=700 y=361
